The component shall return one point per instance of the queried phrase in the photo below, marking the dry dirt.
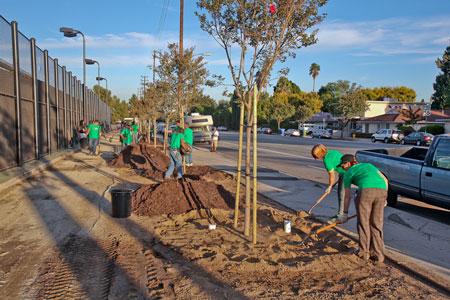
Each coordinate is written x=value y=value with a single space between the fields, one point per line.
x=59 y=242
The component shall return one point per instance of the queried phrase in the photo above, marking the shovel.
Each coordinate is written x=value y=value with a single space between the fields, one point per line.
x=322 y=229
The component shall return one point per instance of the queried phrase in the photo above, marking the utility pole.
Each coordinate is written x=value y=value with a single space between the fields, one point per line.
x=181 y=66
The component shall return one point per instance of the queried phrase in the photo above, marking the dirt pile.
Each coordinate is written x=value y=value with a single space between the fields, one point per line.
x=207 y=173
x=144 y=157
x=177 y=197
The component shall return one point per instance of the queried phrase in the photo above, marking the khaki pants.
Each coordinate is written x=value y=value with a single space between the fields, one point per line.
x=370 y=209
x=214 y=144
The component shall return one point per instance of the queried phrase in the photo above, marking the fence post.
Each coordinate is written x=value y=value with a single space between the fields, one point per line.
x=35 y=96
x=56 y=71
x=64 y=82
x=47 y=98
x=14 y=33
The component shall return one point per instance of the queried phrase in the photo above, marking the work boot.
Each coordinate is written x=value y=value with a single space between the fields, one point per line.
x=362 y=255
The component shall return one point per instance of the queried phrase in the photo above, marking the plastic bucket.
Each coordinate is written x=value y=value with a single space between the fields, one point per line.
x=121 y=203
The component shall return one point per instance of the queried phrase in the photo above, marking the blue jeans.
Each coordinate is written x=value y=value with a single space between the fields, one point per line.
x=341 y=194
x=188 y=158
x=93 y=143
x=175 y=161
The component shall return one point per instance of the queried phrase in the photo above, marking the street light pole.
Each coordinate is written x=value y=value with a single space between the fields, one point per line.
x=91 y=62
x=70 y=32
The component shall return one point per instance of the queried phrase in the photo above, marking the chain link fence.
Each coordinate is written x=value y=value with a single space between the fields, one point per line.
x=41 y=103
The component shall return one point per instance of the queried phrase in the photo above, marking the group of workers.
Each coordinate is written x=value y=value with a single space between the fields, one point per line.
x=129 y=134
x=369 y=202
x=88 y=136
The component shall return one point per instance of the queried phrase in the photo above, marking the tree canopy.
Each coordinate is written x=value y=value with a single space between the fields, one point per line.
x=441 y=95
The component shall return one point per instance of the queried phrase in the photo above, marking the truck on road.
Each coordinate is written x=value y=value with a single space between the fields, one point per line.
x=418 y=173
x=201 y=127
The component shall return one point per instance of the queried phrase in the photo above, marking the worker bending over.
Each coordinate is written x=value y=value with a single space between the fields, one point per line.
x=370 y=203
x=332 y=160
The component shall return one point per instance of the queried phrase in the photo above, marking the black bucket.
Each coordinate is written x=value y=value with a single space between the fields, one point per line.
x=121 y=203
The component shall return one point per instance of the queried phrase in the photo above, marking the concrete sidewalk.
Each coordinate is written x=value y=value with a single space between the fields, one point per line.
x=411 y=239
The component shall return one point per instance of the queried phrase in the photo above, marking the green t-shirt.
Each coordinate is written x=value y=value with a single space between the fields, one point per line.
x=332 y=161
x=188 y=136
x=128 y=138
x=365 y=176
x=135 y=128
x=175 y=140
x=94 y=131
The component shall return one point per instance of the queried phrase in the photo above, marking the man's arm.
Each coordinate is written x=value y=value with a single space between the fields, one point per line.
x=348 y=193
x=331 y=181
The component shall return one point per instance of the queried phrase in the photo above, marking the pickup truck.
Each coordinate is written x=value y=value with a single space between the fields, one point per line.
x=418 y=173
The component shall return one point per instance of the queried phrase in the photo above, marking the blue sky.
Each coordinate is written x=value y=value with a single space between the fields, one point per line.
x=373 y=43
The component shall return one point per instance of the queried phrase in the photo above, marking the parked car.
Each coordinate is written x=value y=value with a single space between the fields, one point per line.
x=418 y=138
x=387 y=135
x=266 y=130
x=222 y=128
x=419 y=173
x=292 y=132
x=322 y=133
x=306 y=127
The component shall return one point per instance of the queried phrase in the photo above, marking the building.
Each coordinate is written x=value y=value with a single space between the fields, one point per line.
x=393 y=119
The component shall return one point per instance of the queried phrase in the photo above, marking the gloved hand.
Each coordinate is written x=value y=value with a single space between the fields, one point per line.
x=329 y=188
x=342 y=218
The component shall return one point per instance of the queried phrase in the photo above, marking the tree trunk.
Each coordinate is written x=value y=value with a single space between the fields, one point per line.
x=278 y=124
x=239 y=166
x=154 y=132
x=147 y=140
x=314 y=84
x=247 y=179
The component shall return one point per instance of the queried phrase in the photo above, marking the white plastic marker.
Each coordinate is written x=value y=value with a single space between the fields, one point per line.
x=287 y=226
x=212 y=226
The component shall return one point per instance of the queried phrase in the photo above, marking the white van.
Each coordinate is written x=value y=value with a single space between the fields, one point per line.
x=201 y=127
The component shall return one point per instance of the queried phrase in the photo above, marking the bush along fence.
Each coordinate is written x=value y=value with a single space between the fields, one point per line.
x=41 y=103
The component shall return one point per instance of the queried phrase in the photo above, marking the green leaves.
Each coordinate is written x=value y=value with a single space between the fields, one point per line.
x=441 y=96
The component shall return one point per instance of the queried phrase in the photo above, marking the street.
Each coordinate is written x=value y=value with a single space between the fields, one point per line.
x=292 y=156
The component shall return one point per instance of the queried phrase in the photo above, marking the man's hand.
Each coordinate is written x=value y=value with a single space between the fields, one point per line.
x=328 y=190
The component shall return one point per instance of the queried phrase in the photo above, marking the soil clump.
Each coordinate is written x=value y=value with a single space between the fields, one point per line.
x=151 y=161
x=180 y=196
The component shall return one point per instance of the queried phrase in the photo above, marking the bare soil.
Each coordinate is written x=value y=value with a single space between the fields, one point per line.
x=151 y=161
x=59 y=242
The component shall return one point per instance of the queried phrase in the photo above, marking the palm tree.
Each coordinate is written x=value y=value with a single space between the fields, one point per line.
x=314 y=71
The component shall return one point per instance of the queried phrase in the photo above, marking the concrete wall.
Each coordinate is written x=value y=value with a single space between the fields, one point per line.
x=374 y=127
x=376 y=108
x=447 y=127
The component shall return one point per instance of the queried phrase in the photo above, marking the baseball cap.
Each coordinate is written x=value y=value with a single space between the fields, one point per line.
x=347 y=158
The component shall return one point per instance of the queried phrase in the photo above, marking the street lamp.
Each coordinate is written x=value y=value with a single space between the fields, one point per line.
x=70 y=33
x=89 y=61
x=98 y=78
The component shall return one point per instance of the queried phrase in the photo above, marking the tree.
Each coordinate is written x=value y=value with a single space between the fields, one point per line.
x=314 y=71
x=119 y=108
x=261 y=37
x=333 y=91
x=350 y=105
x=412 y=115
x=306 y=105
x=441 y=95
x=280 y=108
x=194 y=75
x=285 y=85
x=400 y=93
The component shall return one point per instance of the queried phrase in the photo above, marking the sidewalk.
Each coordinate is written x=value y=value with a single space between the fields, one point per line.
x=411 y=239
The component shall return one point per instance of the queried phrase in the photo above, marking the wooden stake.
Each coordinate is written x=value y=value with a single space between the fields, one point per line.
x=255 y=164
x=239 y=166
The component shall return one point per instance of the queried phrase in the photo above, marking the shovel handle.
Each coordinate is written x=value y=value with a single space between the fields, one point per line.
x=325 y=228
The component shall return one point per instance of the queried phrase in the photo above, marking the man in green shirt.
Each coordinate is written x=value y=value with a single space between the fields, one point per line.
x=174 y=154
x=370 y=203
x=331 y=160
x=135 y=131
x=188 y=138
x=126 y=136
x=93 y=132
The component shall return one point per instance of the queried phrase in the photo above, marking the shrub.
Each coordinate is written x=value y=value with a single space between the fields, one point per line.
x=405 y=129
x=433 y=129
x=363 y=135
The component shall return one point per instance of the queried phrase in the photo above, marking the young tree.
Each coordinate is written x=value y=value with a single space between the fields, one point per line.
x=350 y=105
x=412 y=115
x=263 y=37
x=332 y=91
x=314 y=71
x=441 y=96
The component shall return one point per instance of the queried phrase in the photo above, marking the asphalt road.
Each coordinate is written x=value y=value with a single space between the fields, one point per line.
x=292 y=156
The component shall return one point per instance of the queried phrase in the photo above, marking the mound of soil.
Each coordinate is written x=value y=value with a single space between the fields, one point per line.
x=143 y=157
x=178 y=197
x=207 y=173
